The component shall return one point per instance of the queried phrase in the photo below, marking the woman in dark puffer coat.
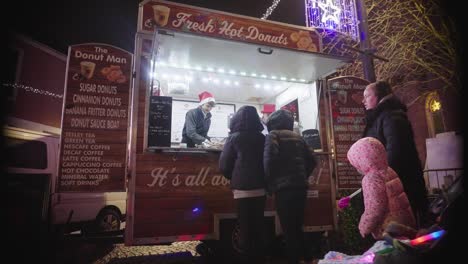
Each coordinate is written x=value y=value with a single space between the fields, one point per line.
x=242 y=163
x=387 y=121
x=288 y=163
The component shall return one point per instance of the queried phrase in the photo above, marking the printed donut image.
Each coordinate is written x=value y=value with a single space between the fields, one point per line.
x=113 y=73
x=303 y=41
x=294 y=36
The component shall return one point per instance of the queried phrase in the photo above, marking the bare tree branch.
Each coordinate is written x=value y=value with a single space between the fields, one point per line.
x=416 y=38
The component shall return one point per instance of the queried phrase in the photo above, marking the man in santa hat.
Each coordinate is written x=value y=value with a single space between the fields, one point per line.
x=198 y=121
x=266 y=112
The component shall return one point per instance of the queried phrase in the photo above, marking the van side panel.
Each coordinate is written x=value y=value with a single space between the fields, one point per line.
x=36 y=186
x=84 y=207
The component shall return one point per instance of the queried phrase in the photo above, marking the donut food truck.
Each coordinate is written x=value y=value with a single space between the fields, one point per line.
x=176 y=193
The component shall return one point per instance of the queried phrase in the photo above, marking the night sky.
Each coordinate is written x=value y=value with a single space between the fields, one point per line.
x=60 y=23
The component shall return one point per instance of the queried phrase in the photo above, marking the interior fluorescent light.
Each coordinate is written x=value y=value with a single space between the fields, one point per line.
x=231 y=72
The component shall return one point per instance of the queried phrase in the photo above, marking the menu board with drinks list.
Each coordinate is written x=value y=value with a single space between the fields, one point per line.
x=348 y=122
x=95 y=119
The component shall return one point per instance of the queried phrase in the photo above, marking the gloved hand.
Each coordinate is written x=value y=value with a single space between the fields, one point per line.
x=344 y=202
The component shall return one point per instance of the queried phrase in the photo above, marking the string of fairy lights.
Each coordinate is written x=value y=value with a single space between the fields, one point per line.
x=270 y=9
x=32 y=90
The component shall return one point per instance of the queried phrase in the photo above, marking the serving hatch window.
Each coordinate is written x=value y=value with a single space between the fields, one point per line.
x=219 y=121
x=236 y=73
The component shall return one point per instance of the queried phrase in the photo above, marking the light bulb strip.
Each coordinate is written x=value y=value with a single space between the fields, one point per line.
x=238 y=73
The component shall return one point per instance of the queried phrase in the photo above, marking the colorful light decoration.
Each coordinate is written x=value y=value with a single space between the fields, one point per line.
x=330 y=11
x=435 y=105
x=431 y=236
x=338 y=15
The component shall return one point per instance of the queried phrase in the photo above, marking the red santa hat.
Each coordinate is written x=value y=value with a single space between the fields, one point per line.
x=206 y=97
x=268 y=108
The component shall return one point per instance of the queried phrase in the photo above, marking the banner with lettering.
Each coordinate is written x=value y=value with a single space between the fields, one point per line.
x=161 y=14
x=347 y=114
x=95 y=119
x=180 y=194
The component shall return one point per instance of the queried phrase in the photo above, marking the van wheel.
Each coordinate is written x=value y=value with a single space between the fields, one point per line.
x=108 y=220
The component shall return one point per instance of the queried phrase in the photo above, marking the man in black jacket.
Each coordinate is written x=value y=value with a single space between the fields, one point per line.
x=198 y=121
x=386 y=120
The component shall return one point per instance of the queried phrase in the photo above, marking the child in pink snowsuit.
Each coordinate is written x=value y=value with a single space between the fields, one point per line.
x=384 y=198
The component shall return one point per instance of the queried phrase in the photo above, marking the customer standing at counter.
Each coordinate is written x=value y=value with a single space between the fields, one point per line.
x=288 y=164
x=198 y=121
x=242 y=162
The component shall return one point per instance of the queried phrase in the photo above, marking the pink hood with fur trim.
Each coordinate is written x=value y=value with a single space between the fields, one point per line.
x=384 y=196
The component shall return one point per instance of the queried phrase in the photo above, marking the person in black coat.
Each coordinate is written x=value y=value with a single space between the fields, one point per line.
x=241 y=162
x=387 y=121
x=288 y=163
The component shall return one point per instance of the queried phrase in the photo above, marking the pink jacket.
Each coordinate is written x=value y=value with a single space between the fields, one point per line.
x=384 y=197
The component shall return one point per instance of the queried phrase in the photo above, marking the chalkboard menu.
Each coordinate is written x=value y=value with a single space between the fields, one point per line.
x=159 y=123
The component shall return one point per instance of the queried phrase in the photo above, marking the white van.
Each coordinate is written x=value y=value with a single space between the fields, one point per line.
x=32 y=164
